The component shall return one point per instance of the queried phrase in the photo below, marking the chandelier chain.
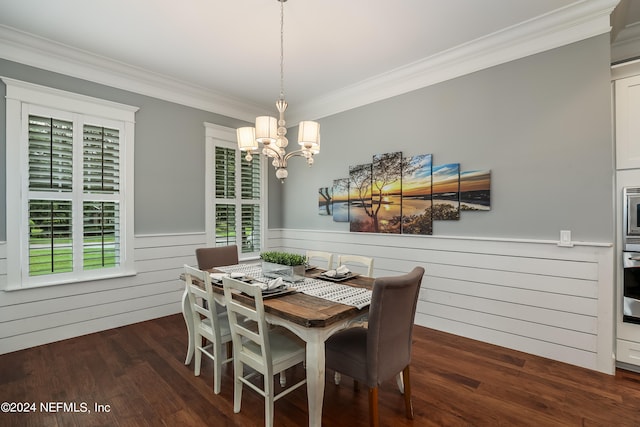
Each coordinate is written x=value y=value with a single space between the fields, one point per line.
x=282 y=49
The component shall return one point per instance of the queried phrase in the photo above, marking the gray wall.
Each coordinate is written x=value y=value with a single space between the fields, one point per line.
x=169 y=152
x=542 y=124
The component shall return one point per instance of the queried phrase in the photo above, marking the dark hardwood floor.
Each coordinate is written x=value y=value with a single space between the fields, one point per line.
x=137 y=374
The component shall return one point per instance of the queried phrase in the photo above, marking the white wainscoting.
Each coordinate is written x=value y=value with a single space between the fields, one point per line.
x=32 y=317
x=532 y=296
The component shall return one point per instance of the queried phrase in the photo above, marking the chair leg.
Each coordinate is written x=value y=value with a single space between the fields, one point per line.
x=400 y=382
x=373 y=406
x=238 y=372
x=407 y=393
x=269 y=391
x=186 y=313
x=217 y=367
x=198 y=356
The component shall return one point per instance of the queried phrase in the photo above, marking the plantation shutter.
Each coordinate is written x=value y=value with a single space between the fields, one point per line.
x=101 y=179
x=237 y=200
x=52 y=197
x=250 y=217
x=50 y=186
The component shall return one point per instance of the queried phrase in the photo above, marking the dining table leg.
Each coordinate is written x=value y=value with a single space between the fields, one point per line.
x=315 y=378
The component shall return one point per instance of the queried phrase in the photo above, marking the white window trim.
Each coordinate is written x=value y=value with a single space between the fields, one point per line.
x=19 y=93
x=216 y=135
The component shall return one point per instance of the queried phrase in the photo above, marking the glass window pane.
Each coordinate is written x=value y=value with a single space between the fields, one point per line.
x=101 y=243
x=225 y=172
x=50 y=237
x=225 y=224
x=101 y=159
x=250 y=228
x=50 y=154
x=250 y=182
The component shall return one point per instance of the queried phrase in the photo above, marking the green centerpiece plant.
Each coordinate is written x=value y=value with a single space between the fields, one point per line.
x=287 y=265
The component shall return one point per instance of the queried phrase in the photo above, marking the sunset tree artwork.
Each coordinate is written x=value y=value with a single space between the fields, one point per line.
x=405 y=195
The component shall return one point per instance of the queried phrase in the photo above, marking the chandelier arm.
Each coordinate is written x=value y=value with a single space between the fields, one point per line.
x=300 y=153
x=273 y=150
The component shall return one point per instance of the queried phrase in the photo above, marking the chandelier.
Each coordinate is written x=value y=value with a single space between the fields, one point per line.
x=271 y=132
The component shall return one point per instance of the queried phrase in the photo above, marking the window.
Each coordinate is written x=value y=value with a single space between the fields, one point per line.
x=67 y=220
x=235 y=194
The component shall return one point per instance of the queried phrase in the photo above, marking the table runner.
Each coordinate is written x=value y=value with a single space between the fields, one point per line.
x=335 y=292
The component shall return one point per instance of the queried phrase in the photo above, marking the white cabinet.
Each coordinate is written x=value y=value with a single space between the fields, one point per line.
x=627 y=107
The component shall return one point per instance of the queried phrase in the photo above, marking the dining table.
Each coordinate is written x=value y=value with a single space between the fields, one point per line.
x=312 y=318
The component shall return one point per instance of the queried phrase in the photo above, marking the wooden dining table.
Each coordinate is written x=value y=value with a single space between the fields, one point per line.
x=312 y=319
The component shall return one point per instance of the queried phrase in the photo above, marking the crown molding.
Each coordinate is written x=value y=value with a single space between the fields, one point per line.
x=626 y=44
x=42 y=53
x=570 y=24
x=575 y=22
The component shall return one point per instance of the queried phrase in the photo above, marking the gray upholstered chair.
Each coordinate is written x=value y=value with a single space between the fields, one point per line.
x=217 y=256
x=383 y=350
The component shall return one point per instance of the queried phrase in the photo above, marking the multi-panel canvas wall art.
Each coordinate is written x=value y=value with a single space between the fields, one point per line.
x=386 y=193
x=360 y=218
x=446 y=191
x=324 y=201
x=475 y=190
x=416 y=195
x=341 y=200
x=396 y=194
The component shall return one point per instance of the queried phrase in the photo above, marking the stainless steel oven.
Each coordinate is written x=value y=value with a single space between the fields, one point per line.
x=631 y=255
x=631 y=287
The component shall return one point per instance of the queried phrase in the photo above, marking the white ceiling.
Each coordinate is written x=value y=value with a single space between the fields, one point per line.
x=232 y=48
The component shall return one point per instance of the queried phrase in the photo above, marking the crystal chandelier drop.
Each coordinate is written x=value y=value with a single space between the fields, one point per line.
x=271 y=132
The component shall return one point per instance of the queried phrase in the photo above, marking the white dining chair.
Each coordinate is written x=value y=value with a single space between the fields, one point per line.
x=267 y=351
x=208 y=258
x=362 y=263
x=209 y=324
x=326 y=259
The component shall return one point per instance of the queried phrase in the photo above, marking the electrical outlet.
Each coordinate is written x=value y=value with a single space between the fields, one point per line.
x=565 y=238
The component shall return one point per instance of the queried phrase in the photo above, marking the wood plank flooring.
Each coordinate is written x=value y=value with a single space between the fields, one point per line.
x=138 y=376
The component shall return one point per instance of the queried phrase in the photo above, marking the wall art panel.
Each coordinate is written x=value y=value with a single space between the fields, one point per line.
x=446 y=192
x=416 y=195
x=475 y=190
x=341 y=200
x=360 y=216
x=386 y=193
x=324 y=201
